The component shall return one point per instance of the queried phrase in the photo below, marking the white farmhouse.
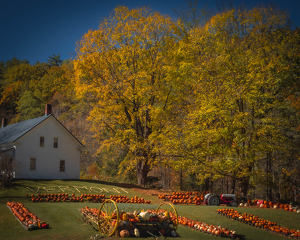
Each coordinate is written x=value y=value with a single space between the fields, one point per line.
x=42 y=148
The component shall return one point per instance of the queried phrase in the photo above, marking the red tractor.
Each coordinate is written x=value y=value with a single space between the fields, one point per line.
x=216 y=200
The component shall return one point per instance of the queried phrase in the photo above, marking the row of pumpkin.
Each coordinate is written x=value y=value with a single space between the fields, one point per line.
x=28 y=220
x=269 y=204
x=208 y=228
x=195 y=198
x=125 y=199
x=259 y=222
x=96 y=198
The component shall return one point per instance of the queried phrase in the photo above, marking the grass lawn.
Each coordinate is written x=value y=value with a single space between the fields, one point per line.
x=65 y=220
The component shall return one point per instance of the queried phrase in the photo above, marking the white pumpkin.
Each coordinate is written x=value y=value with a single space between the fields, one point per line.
x=136 y=232
x=145 y=215
x=173 y=234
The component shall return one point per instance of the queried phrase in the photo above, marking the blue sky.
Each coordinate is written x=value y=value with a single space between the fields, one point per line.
x=37 y=29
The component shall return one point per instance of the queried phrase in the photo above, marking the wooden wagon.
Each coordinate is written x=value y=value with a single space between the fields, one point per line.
x=112 y=221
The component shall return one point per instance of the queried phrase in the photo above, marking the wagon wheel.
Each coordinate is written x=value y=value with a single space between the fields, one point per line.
x=168 y=207
x=108 y=217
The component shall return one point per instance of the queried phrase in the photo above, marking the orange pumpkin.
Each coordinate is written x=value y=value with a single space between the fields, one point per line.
x=124 y=233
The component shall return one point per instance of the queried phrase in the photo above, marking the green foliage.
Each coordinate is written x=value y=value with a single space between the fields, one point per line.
x=27 y=88
x=54 y=60
x=244 y=65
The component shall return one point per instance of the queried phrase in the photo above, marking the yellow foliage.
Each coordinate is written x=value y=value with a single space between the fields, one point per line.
x=123 y=69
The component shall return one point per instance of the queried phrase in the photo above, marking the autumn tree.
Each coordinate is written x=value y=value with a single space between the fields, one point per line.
x=123 y=71
x=26 y=88
x=191 y=16
x=243 y=64
x=8 y=105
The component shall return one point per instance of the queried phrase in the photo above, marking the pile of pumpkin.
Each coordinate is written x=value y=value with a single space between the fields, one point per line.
x=125 y=199
x=28 y=220
x=184 y=197
x=259 y=222
x=138 y=224
x=207 y=228
x=270 y=204
x=161 y=223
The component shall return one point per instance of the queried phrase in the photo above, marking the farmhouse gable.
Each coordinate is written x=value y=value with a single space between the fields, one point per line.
x=42 y=148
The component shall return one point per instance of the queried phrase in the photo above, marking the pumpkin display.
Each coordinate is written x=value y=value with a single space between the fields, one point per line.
x=194 y=198
x=27 y=219
x=257 y=222
x=112 y=222
x=206 y=228
x=95 y=198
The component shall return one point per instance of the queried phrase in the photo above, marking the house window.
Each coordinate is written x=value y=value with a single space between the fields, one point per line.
x=55 y=143
x=62 y=165
x=32 y=163
x=42 y=141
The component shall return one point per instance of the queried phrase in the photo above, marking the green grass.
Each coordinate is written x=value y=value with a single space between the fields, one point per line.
x=65 y=220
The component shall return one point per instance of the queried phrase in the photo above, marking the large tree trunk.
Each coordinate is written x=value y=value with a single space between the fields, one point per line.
x=142 y=172
x=206 y=184
x=245 y=185
x=233 y=181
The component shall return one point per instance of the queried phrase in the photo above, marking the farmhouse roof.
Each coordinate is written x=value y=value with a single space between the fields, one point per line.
x=13 y=132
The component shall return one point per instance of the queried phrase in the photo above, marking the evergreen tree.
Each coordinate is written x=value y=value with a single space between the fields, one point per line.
x=54 y=60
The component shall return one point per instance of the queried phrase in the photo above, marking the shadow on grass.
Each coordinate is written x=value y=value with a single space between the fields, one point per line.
x=15 y=184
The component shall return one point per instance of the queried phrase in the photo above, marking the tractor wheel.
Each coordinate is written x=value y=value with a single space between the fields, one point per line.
x=213 y=200
x=206 y=197
x=233 y=204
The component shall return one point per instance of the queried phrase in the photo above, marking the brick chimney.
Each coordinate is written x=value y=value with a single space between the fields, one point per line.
x=48 y=109
x=4 y=122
